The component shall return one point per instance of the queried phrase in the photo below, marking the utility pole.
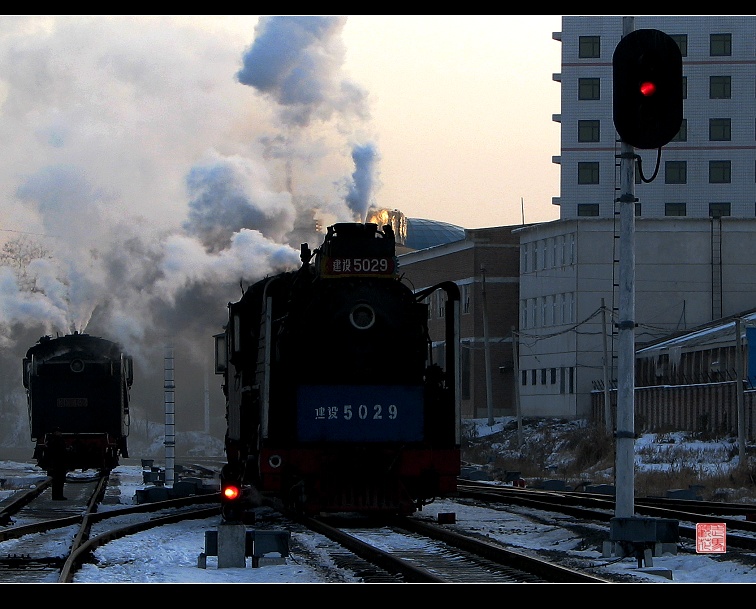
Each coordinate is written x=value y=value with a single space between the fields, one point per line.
x=489 y=393
x=740 y=397
x=647 y=111
x=607 y=394
x=516 y=373
x=169 y=390
x=625 y=451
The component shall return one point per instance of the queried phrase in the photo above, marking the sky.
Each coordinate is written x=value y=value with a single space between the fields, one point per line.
x=168 y=555
x=154 y=165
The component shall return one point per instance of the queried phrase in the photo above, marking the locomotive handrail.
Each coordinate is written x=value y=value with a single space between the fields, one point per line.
x=452 y=364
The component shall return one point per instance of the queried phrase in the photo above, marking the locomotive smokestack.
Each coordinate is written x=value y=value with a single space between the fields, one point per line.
x=305 y=254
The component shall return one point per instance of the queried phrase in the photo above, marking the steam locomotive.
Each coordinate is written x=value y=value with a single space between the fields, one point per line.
x=78 y=385
x=333 y=400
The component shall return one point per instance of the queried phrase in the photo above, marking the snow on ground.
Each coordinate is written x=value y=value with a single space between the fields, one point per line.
x=170 y=554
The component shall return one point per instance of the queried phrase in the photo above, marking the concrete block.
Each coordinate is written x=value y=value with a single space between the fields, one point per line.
x=231 y=539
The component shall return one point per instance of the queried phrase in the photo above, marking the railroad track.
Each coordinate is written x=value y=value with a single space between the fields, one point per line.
x=68 y=527
x=414 y=551
x=741 y=532
x=370 y=553
x=25 y=554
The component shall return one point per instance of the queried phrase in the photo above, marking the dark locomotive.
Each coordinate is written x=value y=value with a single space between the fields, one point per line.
x=78 y=385
x=333 y=400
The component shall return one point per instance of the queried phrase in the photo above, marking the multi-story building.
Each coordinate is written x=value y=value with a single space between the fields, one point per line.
x=709 y=168
x=484 y=265
x=695 y=222
x=694 y=228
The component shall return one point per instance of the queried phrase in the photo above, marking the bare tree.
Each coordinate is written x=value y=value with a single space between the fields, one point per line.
x=17 y=253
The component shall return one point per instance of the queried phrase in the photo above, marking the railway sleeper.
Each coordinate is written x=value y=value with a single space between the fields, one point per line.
x=28 y=562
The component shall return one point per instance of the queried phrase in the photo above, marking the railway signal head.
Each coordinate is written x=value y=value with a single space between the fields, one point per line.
x=231 y=495
x=648 y=89
x=231 y=492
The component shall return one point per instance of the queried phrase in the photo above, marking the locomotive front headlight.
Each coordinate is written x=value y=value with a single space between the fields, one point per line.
x=77 y=365
x=362 y=316
x=275 y=461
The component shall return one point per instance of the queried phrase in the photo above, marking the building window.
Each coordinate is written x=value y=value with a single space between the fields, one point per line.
x=588 y=172
x=682 y=135
x=567 y=381
x=719 y=172
x=720 y=87
x=637 y=210
x=589 y=88
x=685 y=87
x=553 y=376
x=587 y=209
x=676 y=172
x=544 y=263
x=675 y=209
x=589 y=47
x=534 y=377
x=720 y=45
x=543 y=376
x=555 y=251
x=589 y=131
x=682 y=42
x=554 y=310
x=720 y=129
x=544 y=311
x=718 y=210
x=465 y=298
x=524 y=380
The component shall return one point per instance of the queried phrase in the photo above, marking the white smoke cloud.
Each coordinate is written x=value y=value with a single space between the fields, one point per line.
x=297 y=62
x=160 y=176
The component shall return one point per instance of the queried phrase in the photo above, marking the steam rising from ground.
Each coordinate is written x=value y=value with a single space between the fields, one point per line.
x=154 y=166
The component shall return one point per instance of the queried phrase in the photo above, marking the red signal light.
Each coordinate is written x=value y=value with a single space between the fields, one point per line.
x=647 y=88
x=231 y=492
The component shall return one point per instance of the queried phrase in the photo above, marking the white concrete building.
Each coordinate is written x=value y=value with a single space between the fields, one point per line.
x=568 y=266
x=695 y=223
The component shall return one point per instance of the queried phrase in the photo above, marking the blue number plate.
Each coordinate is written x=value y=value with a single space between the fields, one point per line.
x=360 y=413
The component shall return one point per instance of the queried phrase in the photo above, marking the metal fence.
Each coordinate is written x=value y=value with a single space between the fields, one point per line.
x=703 y=408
